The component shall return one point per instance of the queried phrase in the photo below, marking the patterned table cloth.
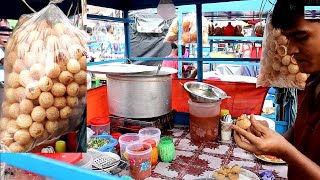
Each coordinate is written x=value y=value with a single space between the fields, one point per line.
x=198 y=160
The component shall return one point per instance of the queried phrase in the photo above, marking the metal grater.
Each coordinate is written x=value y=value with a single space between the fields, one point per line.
x=102 y=161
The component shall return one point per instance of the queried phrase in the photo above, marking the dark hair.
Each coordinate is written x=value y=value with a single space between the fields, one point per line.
x=108 y=27
x=89 y=29
x=286 y=12
x=174 y=46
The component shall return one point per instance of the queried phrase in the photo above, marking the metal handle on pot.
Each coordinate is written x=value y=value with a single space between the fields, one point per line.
x=158 y=70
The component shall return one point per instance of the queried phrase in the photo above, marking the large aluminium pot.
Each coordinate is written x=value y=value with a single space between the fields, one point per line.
x=143 y=95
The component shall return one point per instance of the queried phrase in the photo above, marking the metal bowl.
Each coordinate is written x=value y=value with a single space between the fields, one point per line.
x=204 y=93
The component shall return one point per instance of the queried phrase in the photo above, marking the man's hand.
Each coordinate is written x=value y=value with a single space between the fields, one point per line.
x=254 y=130
x=262 y=141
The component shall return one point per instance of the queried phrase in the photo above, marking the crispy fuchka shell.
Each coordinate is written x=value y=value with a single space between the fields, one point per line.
x=243 y=122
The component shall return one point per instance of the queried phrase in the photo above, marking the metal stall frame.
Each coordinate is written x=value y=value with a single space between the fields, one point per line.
x=200 y=8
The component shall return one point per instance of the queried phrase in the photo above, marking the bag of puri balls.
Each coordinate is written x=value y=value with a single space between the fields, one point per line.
x=189 y=29
x=172 y=34
x=45 y=80
x=277 y=67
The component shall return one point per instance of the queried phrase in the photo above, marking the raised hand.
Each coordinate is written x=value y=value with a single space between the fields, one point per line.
x=261 y=139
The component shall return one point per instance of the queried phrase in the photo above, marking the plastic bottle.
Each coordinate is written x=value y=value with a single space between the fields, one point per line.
x=166 y=149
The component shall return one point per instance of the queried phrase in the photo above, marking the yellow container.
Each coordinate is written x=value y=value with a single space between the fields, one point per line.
x=224 y=112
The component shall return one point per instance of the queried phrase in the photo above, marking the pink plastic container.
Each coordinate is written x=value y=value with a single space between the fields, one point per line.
x=125 y=140
x=139 y=157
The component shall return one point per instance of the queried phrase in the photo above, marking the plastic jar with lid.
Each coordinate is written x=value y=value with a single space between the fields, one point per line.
x=125 y=140
x=204 y=120
x=100 y=125
x=139 y=157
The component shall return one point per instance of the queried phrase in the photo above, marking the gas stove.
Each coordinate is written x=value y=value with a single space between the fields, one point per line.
x=130 y=125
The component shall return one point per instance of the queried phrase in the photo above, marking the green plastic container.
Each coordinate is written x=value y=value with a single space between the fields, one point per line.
x=95 y=83
x=166 y=149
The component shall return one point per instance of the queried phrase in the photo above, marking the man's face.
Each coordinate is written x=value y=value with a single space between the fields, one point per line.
x=304 y=44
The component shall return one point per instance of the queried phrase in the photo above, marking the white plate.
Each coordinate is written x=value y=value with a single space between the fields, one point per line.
x=269 y=161
x=271 y=123
x=244 y=175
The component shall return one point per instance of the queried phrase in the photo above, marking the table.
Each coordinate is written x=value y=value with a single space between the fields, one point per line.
x=198 y=160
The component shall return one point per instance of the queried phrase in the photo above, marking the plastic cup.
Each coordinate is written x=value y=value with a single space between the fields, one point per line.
x=139 y=156
x=150 y=133
x=226 y=131
x=125 y=140
x=60 y=146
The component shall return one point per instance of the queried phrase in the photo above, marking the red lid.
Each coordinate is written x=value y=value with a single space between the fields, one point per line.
x=100 y=121
x=71 y=158
x=151 y=141
x=116 y=135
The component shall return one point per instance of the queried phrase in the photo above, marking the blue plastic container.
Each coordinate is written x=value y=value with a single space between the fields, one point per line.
x=181 y=118
x=108 y=147
x=281 y=127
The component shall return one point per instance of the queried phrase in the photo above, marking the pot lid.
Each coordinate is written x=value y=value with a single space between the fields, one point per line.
x=112 y=68
x=164 y=71
x=130 y=69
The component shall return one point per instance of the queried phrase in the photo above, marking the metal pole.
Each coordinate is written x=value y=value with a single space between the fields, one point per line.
x=84 y=13
x=199 y=41
x=211 y=49
x=179 y=42
x=127 y=34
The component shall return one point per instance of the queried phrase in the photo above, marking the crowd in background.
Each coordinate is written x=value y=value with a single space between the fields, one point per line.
x=106 y=41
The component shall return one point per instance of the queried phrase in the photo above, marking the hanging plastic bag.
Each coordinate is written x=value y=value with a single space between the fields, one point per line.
x=45 y=80
x=278 y=68
x=172 y=34
x=189 y=28
x=23 y=18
